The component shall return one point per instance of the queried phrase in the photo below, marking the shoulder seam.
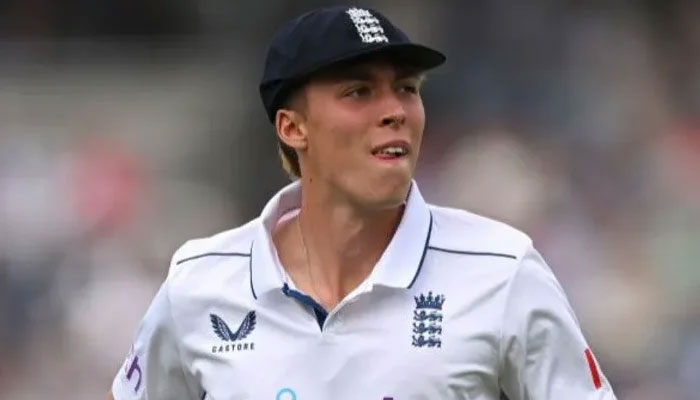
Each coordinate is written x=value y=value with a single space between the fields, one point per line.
x=212 y=254
x=473 y=253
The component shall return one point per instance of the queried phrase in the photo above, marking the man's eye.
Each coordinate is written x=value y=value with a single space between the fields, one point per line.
x=409 y=88
x=360 y=91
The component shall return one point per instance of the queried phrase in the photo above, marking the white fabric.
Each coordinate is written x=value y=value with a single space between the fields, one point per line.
x=153 y=368
x=458 y=307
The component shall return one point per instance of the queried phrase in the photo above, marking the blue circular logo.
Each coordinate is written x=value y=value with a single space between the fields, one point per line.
x=286 y=394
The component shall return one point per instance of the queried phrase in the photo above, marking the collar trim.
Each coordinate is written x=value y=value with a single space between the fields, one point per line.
x=425 y=251
x=398 y=267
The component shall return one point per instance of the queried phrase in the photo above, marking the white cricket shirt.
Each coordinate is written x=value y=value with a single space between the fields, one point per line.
x=458 y=307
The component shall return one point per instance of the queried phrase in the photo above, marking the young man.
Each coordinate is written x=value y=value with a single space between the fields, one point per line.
x=350 y=286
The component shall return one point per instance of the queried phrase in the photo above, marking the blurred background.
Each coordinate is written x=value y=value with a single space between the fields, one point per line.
x=127 y=127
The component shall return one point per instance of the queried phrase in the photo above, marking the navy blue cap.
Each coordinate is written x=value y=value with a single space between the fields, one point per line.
x=328 y=36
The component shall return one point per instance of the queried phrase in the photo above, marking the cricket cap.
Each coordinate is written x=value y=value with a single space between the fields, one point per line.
x=330 y=36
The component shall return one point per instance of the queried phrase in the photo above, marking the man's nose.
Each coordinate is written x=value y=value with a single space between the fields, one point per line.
x=394 y=114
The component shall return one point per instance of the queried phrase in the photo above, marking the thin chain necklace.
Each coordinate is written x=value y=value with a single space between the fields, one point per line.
x=308 y=259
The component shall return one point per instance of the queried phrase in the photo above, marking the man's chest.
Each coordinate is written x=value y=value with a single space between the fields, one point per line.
x=416 y=345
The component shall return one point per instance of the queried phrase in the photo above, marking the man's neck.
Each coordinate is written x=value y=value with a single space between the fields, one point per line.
x=335 y=245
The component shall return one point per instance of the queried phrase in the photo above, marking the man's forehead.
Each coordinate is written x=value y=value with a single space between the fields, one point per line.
x=368 y=70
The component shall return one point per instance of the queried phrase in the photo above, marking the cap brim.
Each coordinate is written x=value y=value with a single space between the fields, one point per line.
x=409 y=54
x=412 y=55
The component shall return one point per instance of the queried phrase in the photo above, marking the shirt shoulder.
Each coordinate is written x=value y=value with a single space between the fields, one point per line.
x=203 y=261
x=232 y=241
x=461 y=231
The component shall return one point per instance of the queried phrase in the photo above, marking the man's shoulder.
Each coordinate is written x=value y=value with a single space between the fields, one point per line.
x=234 y=241
x=232 y=244
x=458 y=230
x=208 y=269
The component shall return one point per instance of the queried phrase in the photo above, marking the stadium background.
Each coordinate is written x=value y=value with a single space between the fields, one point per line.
x=127 y=127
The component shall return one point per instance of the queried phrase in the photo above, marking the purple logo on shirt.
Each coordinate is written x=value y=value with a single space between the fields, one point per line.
x=131 y=370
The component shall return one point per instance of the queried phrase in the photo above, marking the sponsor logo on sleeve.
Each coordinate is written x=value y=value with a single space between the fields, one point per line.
x=593 y=366
x=133 y=371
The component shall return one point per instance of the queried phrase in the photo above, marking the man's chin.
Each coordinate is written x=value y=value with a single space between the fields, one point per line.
x=388 y=196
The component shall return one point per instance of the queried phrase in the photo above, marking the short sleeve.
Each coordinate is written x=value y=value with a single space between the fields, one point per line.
x=153 y=369
x=544 y=355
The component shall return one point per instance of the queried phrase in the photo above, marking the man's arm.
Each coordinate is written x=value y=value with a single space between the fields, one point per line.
x=153 y=368
x=110 y=396
x=543 y=352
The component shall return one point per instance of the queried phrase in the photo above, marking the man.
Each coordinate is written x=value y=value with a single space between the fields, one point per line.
x=350 y=286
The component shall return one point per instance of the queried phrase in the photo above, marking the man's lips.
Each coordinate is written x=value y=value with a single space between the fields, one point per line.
x=394 y=149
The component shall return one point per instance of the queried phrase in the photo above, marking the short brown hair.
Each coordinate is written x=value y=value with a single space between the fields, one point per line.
x=290 y=159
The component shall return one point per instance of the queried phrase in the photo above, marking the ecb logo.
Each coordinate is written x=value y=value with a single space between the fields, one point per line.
x=427 y=320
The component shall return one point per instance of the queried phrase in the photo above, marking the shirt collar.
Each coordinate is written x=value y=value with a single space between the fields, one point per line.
x=398 y=266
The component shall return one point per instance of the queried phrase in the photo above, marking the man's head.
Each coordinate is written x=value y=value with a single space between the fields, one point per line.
x=342 y=87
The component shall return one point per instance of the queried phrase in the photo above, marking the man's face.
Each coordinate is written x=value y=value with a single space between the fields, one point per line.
x=364 y=125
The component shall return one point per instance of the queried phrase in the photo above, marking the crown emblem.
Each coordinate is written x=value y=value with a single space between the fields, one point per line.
x=367 y=25
x=429 y=301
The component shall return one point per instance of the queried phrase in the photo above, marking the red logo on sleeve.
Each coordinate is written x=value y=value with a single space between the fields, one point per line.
x=594 y=369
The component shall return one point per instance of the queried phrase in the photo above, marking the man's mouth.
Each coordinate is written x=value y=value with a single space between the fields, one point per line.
x=391 y=151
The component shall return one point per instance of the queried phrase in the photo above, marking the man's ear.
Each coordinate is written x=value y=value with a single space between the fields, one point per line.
x=291 y=129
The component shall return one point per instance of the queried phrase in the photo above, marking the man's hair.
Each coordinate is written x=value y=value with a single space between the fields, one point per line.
x=290 y=159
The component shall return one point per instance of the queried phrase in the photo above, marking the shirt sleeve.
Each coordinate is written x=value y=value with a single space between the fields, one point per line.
x=153 y=369
x=544 y=355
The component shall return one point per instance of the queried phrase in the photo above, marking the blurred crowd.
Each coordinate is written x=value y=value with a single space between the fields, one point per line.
x=129 y=127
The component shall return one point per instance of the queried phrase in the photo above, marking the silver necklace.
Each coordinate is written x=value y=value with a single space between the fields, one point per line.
x=308 y=259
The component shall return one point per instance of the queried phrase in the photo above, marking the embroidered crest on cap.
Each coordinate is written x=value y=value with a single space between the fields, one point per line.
x=367 y=26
